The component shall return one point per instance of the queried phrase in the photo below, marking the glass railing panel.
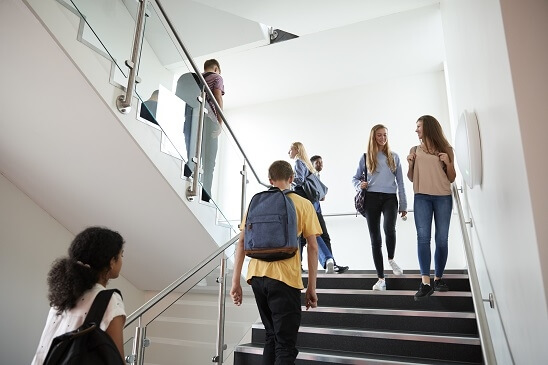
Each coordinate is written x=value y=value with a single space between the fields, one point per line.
x=109 y=28
x=128 y=342
x=168 y=94
x=238 y=319
x=186 y=331
x=222 y=177
x=163 y=101
x=165 y=69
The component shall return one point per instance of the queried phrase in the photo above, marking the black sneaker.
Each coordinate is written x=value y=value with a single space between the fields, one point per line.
x=340 y=269
x=439 y=285
x=424 y=292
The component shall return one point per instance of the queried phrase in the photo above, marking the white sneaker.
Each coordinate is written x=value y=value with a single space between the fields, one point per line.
x=395 y=268
x=380 y=285
x=329 y=266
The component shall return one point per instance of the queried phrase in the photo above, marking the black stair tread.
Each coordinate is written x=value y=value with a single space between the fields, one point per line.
x=390 y=292
x=391 y=334
x=393 y=312
x=406 y=275
x=391 y=320
x=456 y=282
x=307 y=355
x=410 y=273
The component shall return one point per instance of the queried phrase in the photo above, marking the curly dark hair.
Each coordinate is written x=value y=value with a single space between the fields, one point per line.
x=89 y=256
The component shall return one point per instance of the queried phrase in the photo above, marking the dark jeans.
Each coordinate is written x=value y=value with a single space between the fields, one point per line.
x=280 y=309
x=387 y=204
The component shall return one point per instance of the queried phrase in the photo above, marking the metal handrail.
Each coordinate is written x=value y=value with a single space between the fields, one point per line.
x=481 y=318
x=171 y=287
x=353 y=213
x=212 y=99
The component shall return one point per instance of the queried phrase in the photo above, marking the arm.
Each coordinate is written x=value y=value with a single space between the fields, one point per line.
x=356 y=179
x=115 y=331
x=311 y=299
x=448 y=160
x=411 y=161
x=301 y=172
x=236 y=290
x=218 y=94
x=401 y=188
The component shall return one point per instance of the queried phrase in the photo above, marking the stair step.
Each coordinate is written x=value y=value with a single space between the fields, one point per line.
x=452 y=301
x=431 y=346
x=441 y=322
x=356 y=325
x=251 y=354
x=456 y=282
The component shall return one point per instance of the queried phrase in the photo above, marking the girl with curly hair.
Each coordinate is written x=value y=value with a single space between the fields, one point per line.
x=94 y=257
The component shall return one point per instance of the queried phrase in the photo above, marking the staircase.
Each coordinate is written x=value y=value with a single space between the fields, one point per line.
x=356 y=325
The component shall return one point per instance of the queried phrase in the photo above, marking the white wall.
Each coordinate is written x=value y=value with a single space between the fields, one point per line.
x=529 y=60
x=336 y=125
x=503 y=83
x=31 y=240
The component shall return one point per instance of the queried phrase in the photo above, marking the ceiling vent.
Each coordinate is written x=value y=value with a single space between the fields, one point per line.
x=278 y=35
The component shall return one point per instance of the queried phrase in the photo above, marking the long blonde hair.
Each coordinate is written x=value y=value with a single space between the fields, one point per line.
x=303 y=156
x=373 y=149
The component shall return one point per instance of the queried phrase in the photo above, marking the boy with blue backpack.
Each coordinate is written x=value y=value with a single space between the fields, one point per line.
x=275 y=277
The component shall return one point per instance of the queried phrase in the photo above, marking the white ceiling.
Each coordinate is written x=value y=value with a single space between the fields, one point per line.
x=341 y=44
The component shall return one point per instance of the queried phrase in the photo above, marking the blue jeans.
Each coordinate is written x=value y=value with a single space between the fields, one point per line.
x=323 y=251
x=427 y=207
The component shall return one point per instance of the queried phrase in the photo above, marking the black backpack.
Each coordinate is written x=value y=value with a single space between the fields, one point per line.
x=88 y=344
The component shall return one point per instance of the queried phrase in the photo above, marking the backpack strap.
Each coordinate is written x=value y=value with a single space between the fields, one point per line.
x=99 y=306
x=365 y=166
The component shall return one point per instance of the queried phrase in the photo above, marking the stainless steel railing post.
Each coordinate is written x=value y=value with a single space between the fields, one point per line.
x=218 y=358
x=244 y=190
x=137 y=353
x=192 y=191
x=123 y=102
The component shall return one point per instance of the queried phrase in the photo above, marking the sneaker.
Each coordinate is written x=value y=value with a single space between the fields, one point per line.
x=380 y=285
x=395 y=268
x=425 y=290
x=340 y=269
x=439 y=285
x=329 y=266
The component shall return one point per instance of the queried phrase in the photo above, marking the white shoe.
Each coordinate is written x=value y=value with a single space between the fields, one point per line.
x=380 y=285
x=329 y=266
x=395 y=268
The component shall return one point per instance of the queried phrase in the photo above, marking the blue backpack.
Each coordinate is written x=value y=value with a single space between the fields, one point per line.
x=271 y=226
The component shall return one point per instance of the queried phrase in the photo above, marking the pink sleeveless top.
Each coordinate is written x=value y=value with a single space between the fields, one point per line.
x=429 y=176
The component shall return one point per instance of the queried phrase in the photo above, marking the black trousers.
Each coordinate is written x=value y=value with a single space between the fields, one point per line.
x=387 y=205
x=280 y=309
